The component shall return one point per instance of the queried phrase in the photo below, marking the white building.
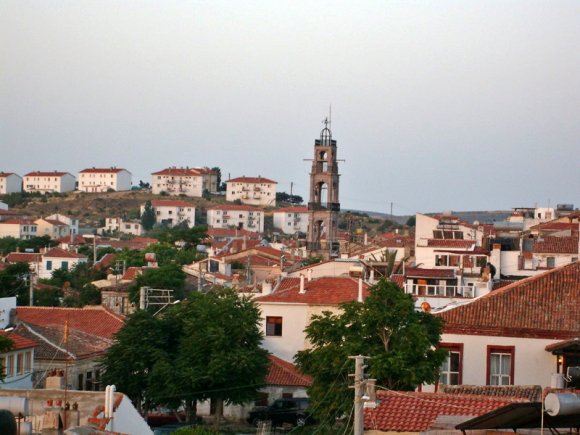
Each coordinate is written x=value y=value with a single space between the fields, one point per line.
x=104 y=179
x=291 y=220
x=288 y=310
x=18 y=363
x=18 y=228
x=252 y=191
x=117 y=224
x=184 y=181
x=45 y=182
x=522 y=334
x=172 y=212
x=57 y=258
x=10 y=183
x=236 y=216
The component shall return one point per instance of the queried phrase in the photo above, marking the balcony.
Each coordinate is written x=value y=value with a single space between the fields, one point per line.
x=447 y=291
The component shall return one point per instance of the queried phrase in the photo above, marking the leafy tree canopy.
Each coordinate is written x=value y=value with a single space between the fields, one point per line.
x=292 y=199
x=169 y=276
x=148 y=216
x=399 y=340
x=411 y=222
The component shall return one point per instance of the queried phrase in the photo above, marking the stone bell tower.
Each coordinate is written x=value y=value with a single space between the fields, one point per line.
x=323 y=205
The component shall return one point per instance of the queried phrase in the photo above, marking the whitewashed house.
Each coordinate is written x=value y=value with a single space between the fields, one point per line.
x=184 y=181
x=288 y=310
x=18 y=363
x=104 y=179
x=10 y=183
x=18 y=228
x=252 y=191
x=48 y=182
x=172 y=212
x=526 y=333
x=57 y=258
x=291 y=220
x=117 y=224
x=236 y=216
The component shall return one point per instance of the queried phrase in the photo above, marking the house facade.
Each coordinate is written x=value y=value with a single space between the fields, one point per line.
x=172 y=212
x=104 y=179
x=53 y=228
x=117 y=224
x=184 y=181
x=48 y=182
x=252 y=191
x=236 y=216
x=23 y=229
x=291 y=220
x=521 y=334
x=10 y=183
x=18 y=363
x=57 y=258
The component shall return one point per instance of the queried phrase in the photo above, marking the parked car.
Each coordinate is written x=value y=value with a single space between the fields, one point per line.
x=293 y=411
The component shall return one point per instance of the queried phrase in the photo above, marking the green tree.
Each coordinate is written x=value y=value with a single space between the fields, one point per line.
x=14 y=282
x=411 y=222
x=6 y=344
x=129 y=362
x=399 y=340
x=148 y=216
x=169 y=276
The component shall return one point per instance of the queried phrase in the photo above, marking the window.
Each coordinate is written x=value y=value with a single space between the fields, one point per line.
x=49 y=265
x=274 y=326
x=64 y=265
x=500 y=365
x=28 y=362
x=19 y=363
x=551 y=262
x=450 y=372
x=10 y=366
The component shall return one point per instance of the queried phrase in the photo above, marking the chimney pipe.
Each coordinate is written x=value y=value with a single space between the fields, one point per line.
x=302 y=291
x=309 y=275
x=360 y=290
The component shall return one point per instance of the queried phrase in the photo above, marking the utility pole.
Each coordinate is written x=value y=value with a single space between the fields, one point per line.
x=31 y=288
x=364 y=393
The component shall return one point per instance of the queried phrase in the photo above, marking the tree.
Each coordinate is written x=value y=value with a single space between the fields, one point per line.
x=6 y=344
x=148 y=216
x=285 y=197
x=169 y=276
x=411 y=222
x=218 y=172
x=399 y=340
x=14 y=282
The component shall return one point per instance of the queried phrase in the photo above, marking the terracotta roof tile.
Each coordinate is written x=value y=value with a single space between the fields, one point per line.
x=46 y=174
x=321 y=291
x=19 y=341
x=61 y=253
x=416 y=412
x=284 y=373
x=450 y=243
x=556 y=245
x=102 y=171
x=532 y=393
x=398 y=279
x=92 y=320
x=555 y=226
x=253 y=180
x=171 y=203
x=543 y=306
x=23 y=257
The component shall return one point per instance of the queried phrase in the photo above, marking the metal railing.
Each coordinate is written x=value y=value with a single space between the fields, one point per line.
x=449 y=291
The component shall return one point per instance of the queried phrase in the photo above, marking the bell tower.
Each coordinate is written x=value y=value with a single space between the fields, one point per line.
x=323 y=205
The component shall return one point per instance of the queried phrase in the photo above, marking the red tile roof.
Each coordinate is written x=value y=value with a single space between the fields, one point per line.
x=416 y=272
x=5 y=174
x=18 y=222
x=321 y=291
x=18 y=341
x=295 y=209
x=46 y=174
x=234 y=207
x=61 y=253
x=95 y=320
x=542 y=306
x=450 y=243
x=23 y=257
x=416 y=412
x=398 y=279
x=54 y=222
x=77 y=239
x=555 y=226
x=556 y=245
x=171 y=203
x=132 y=273
x=532 y=393
x=284 y=373
x=102 y=170
x=185 y=172
x=251 y=180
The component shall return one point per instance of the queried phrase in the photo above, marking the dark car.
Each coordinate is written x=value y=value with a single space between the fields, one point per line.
x=293 y=411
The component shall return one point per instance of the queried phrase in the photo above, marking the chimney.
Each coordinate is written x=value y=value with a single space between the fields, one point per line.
x=302 y=290
x=366 y=239
x=266 y=287
x=309 y=275
x=360 y=290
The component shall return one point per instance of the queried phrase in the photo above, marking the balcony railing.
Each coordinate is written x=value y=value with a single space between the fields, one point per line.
x=449 y=291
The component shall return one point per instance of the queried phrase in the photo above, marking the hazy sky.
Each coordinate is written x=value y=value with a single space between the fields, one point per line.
x=458 y=105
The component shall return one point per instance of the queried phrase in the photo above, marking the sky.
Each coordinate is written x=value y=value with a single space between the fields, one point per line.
x=436 y=105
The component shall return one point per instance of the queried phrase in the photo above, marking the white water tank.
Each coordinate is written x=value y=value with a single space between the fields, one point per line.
x=562 y=404
x=16 y=405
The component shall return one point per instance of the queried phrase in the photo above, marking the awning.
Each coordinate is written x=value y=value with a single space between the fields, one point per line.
x=566 y=346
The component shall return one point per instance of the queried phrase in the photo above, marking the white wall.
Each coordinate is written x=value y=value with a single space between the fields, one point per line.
x=127 y=420
x=532 y=364
x=294 y=320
